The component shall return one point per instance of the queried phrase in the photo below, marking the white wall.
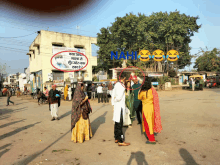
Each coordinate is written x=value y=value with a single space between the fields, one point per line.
x=22 y=81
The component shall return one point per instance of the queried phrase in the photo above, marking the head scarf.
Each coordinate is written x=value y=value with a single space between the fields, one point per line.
x=78 y=97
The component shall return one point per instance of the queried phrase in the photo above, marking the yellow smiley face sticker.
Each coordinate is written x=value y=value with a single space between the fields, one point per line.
x=158 y=55
x=144 y=55
x=172 y=55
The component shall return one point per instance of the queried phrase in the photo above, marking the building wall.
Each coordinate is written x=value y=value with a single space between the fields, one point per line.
x=22 y=81
x=45 y=40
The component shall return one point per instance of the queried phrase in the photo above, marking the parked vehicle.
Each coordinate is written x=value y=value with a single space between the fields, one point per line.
x=196 y=82
x=213 y=81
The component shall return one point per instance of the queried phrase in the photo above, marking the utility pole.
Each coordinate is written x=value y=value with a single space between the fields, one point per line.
x=77 y=27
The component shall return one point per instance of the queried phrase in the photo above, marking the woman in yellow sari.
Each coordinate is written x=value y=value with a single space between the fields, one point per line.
x=80 y=123
x=65 y=92
x=151 y=120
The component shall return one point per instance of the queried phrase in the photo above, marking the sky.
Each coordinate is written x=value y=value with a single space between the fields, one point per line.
x=91 y=19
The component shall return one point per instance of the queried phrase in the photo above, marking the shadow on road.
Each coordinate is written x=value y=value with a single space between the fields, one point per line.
x=187 y=157
x=33 y=156
x=6 y=145
x=139 y=157
x=97 y=122
x=17 y=131
x=4 y=113
x=3 y=152
x=5 y=125
x=65 y=114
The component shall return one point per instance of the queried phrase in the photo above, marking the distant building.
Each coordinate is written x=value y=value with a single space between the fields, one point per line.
x=40 y=54
x=22 y=81
x=11 y=80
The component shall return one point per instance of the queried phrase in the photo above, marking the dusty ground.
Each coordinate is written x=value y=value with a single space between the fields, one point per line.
x=191 y=134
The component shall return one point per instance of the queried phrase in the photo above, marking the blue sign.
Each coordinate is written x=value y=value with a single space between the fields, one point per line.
x=133 y=55
x=78 y=50
x=154 y=83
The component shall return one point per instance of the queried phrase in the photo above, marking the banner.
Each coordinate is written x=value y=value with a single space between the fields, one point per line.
x=102 y=77
x=155 y=75
x=58 y=82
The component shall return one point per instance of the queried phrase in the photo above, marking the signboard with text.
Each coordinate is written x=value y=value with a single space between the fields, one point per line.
x=69 y=59
x=58 y=82
x=155 y=75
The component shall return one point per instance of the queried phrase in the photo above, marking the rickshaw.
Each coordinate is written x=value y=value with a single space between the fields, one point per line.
x=196 y=84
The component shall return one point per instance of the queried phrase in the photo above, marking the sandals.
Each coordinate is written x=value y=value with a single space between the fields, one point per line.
x=123 y=144
x=148 y=142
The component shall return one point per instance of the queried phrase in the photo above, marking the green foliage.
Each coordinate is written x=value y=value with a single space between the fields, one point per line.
x=163 y=80
x=172 y=73
x=208 y=60
x=160 y=30
x=95 y=78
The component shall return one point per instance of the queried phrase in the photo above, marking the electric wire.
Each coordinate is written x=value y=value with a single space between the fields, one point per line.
x=20 y=36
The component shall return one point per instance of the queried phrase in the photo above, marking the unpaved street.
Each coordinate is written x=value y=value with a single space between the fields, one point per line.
x=191 y=134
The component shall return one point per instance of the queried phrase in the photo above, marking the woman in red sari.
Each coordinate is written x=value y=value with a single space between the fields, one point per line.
x=151 y=120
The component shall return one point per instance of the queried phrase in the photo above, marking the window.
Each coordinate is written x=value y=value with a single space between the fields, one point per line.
x=79 y=46
x=58 y=75
x=38 y=49
x=57 y=45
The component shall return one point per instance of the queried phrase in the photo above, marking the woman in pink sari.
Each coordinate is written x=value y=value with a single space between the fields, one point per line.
x=151 y=120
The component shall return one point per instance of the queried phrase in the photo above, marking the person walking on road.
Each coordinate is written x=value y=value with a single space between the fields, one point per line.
x=80 y=124
x=54 y=101
x=105 y=93
x=137 y=103
x=151 y=111
x=9 y=95
x=118 y=101
x=100 y=93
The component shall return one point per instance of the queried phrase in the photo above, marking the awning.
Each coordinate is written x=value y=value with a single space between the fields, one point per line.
x=195 y=76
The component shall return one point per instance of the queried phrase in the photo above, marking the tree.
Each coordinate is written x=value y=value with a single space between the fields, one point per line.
x=158 y=31
x=208 y=60
x=172 y=73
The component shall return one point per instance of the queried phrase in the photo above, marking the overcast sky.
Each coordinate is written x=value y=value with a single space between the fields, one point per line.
x=14 y=24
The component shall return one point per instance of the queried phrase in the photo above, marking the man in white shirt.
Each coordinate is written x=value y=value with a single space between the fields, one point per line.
x=100 y=93
x=193 y=84
x=118 y=101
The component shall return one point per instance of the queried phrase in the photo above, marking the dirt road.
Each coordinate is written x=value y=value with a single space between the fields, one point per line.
x=191 y=134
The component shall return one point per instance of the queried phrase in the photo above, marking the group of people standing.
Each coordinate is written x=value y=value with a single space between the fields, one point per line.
x=127 y=101
x=140 y=99
x=102 y=92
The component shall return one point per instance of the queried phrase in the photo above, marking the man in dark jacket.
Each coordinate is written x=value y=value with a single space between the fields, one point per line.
x=54 y=101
